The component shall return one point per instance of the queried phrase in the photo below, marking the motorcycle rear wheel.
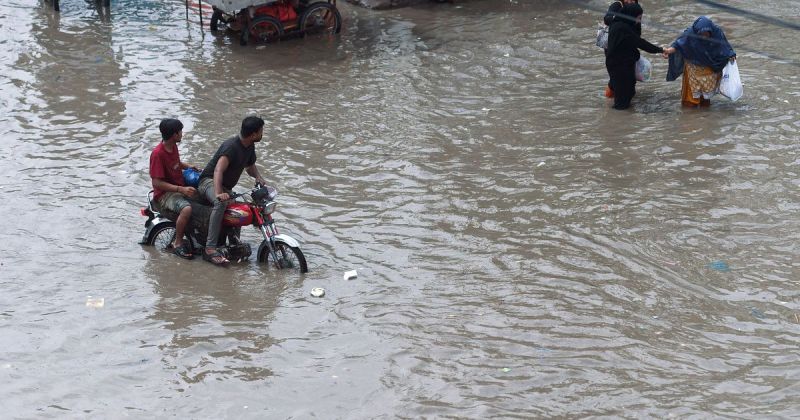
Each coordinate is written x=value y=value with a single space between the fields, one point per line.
x=163 y=237
x=290 y=257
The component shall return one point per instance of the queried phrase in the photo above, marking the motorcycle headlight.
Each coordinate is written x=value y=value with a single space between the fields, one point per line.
x=264 y=194
x=270 y=207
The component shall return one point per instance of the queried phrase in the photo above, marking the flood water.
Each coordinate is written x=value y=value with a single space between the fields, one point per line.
x=522 y=249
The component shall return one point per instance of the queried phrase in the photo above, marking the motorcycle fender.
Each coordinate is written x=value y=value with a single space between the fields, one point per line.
x=151 y=226
x=288 y=240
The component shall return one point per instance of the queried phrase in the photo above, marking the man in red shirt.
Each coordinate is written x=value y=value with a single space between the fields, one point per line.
x=169 y=191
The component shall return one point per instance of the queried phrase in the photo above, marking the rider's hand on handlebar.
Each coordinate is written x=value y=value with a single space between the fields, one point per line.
x=223 y=196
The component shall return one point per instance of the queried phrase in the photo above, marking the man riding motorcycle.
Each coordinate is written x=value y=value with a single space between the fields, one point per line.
x=222 y=173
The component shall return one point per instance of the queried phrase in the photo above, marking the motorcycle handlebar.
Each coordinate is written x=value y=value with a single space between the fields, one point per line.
x=258 y=186
x=232 y=195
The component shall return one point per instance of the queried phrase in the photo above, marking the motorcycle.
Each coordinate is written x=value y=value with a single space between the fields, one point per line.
x=256 y=210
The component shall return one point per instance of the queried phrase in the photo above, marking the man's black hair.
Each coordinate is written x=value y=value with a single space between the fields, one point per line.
x=250 y=125
x=169 y=127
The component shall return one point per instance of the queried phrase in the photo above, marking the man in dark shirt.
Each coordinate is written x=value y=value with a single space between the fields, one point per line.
x=235 y=155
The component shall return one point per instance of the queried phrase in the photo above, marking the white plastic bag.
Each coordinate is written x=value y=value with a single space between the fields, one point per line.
x=644 y=70
x=731 y=84
x=602 y=36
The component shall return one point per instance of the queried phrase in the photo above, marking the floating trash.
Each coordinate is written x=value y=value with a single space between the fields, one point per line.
x=505 y=370
x=719 y=266
x=94 y=302
x=318 y=292
x=350 y=274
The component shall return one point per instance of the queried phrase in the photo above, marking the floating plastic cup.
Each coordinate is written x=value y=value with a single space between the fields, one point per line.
x=93 y=302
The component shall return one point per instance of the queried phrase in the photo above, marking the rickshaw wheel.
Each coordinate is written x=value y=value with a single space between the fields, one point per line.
x=321 y=18
x=263 y=29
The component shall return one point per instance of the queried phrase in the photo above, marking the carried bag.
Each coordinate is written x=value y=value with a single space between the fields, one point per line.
x=602 y=32
x=602 y=36
x=730 y=86
x=644 y=70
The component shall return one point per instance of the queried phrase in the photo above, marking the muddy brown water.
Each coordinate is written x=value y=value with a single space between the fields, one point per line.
x=522 y=249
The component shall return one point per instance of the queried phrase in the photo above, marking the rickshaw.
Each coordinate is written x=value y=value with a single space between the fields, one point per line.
x=273 y=20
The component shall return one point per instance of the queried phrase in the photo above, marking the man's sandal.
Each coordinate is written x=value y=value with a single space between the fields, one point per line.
x=183 y=251
x=216 y=258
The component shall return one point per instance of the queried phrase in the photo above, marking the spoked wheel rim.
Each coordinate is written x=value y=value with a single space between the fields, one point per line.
x=289 y=258
x=264 y=30
x=164 y=238
x=321 y=19
x=286 y=258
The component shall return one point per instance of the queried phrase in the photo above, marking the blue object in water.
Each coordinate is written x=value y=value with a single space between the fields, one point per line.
x=719 y=266
x=191 y=177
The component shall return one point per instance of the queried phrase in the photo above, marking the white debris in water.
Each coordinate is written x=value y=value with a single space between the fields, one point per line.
x=318 y=292
x=350 y=274
x=540 y=164
x=94 y=302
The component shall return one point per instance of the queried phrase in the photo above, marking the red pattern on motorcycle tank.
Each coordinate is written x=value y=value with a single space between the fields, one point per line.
x=237 y=214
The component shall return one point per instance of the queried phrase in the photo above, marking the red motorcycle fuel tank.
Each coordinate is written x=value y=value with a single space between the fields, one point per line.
x=237 y=214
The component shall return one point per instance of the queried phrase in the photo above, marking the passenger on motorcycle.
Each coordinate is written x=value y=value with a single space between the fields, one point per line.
x=169 y=191
x=221 y=174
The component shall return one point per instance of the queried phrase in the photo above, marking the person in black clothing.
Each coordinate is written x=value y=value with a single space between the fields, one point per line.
x=613 y=10
x=623 y=52
x=221 y=174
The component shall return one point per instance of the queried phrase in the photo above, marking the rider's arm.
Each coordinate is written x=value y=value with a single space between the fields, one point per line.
x=252 y=170
x=166 y=186
x=219 y=173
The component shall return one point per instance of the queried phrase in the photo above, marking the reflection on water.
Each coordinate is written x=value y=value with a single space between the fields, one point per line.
x=522 y=249
x=219 y=329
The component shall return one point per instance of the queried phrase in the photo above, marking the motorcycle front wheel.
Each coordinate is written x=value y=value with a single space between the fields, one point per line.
x=289 y=257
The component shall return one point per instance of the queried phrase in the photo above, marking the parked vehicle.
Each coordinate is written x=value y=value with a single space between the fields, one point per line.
x=276 y=249
x=274 y=20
